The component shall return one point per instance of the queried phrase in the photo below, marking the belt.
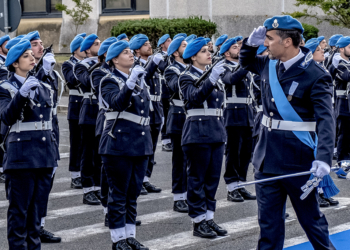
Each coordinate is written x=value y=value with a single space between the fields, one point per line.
x=288 y=125
x=340 y=92
x=155 y=98
x=31 y=126
x=177 y=103
x=129 y=117
x=54 y=111
x=75 y=92
x=259 y=108
x=243 y=100
x=88 y=94
x=204 y=112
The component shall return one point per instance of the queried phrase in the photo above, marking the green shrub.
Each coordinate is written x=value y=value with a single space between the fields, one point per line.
x=154 y=28
x=310 y=31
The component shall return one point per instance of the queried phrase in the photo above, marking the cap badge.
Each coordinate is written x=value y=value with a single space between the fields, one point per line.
x=275 y=24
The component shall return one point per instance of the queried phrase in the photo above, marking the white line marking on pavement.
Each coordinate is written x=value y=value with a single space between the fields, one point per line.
x=64 y=155
x=62 y=180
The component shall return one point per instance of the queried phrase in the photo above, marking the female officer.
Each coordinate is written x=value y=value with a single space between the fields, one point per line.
x=125 y=163
x=26 y=106
x=203 y=137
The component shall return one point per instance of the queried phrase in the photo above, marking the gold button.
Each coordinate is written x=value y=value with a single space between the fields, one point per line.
x=44 y=139
x=272 y=100
x=141 y=100
x=18 y=139
x=247 y=87
x=216 y=90
x=269 y=129
x=143 y=133
x=41 y=116
x=154 y=77
x=142 y=112
x=39 y=105
x=271 y=114
x=155 y=84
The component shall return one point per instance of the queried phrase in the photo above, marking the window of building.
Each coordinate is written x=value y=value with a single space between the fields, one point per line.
x=40 y=8
x=126 y=7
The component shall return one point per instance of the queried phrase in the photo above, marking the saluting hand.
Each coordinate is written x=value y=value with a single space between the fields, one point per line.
x=157 y=58
x=136 y=73
x=320 y=168
x=30 y=83
x=257 y=37
x=216 y=72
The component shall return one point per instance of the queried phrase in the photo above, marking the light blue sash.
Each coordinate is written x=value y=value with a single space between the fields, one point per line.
x=286 y=110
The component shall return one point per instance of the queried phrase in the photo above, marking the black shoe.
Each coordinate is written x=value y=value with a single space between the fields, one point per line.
x=322 y=202
x=106 y=221
x=48 y=237
x=98 y=194
x=143 y=191
x=180 y=206
x=167 y=147
x=91 y=199
x=2 y=178
x=121 y=245
x=135 y=245
x=138 y=223
x=76 y=183
x=286 y=215
x=151 y=188
x=246 y=194
x=217 y=229
x=234 y=196
x=203 y=230
x=331 y=201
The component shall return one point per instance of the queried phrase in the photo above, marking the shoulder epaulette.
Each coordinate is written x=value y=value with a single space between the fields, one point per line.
x=9 y=87
x=175 y=69
x=194 y=77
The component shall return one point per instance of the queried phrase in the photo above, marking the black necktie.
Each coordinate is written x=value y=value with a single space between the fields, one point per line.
x=281 y=70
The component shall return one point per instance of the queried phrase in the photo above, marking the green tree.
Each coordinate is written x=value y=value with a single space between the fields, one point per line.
x=79 y=14
x=335 y=12
x=310 y=31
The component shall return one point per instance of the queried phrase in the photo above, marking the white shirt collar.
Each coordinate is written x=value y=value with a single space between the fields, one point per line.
x=3 y=56
x=143 y=61
x=235 y=63
x=77 y=59
x=89 y=59
x=123 y=74
x=20 y=78
x=199 y=70
x=183 y=65
x=290 y=62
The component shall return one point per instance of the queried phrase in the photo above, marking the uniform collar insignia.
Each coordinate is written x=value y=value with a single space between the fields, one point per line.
x=15 y=84
x=307 y=60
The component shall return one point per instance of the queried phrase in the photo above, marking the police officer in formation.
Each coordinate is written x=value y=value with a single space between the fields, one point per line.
x=3 y=54
x=219 y=42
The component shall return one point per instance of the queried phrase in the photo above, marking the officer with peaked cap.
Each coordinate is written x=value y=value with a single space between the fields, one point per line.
x=164 y=43
x=296 y=98
x=74 y=105
x=142 y=48
x=238 y=117
x=127 y=120
x=90 y=164
x=203 y=137
x=175 y=122
x=30 y=151
x=3 y=53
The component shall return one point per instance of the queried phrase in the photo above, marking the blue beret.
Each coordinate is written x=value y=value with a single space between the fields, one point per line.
x=190 y=38
x=75 y=44
x=312 y=46
x=132 y=39
x=115 y=49
x=320 y=38
x=312 y=40
x=261 y=49
x=207 y=40
x=221 y=40
x=175 y=44
x=34 y=35
x=138 y=41
x=88 y=42
x=82 y=35
x=16 y=51
x=283 y=23
x=163 y=39
x=343 y=42
x=227 y=45
x=238 y=38
x=4 y=39
x=334 y=39
x=180 y=34
x=302 y=37
x=121 y=36
x=194 y=47
x=105 y=45
x=14 y=41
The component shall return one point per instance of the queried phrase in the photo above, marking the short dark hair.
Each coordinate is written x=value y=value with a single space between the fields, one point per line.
x=188 y=61
x=293 y=34
x=101 y=58
x=11 y=68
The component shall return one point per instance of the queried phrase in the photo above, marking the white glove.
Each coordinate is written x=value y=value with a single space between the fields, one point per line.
x=320 y=168
x=157 y=58
x=49 y=62
x=257 y=37
x=336 y=59
x=31 y=82
x=136 y=73
x=216 y=72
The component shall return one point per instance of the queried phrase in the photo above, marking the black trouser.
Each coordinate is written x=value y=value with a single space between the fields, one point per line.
x=179 y=173
x=343 y=146
x=104 y=182
x=271 y=198
x=27 y=191
x=238 y=153
x=125 y=175
x=90 y=165
x=44 y=209
x=155 y=129
x=166 y=106
x=75 y=145
x=204 y=163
